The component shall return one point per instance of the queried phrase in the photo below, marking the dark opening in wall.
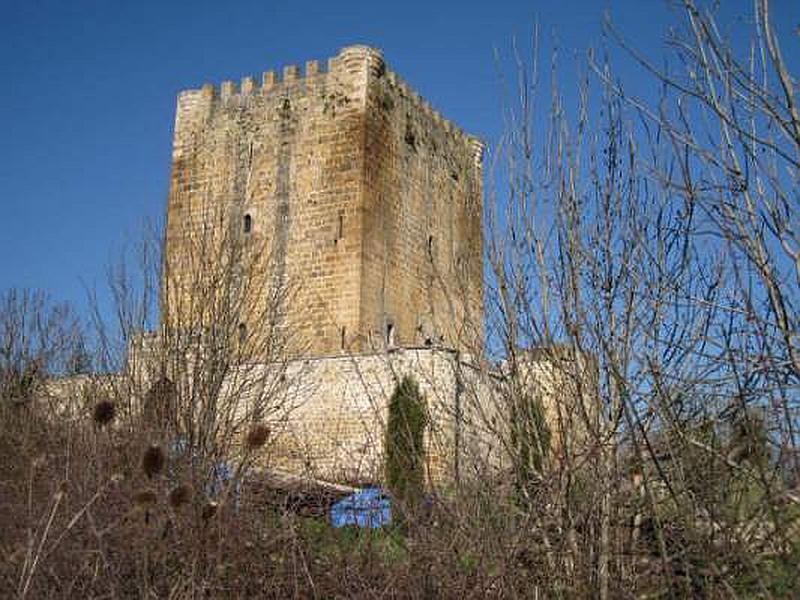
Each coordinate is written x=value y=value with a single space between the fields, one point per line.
x=390 y=335
x=247 y=223
x=409 y=137
x=339 y=228
x=425 y=334
x=430 y=248
x=344 y=337
x=461 y=267
x=242 y=331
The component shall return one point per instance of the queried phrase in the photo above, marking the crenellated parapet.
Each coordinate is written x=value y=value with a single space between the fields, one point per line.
x=350 y=71
x=355 y=66
x=420 y=106
x=478 y=147
x=357 y=61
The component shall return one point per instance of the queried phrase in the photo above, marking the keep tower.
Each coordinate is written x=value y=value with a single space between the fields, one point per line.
x=366 y=200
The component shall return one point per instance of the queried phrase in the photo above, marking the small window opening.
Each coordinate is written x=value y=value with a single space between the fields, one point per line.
x=242 y=333
x=410 y=138
x=390 y=335
x=344 y=336
x=430 y=248
x=461 y=268
x=340 y=228
x=247 y=223
x=250 y=154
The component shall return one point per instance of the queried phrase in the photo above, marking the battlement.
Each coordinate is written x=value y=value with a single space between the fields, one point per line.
x=425 y=108
x=350 y=59
x=364 y=63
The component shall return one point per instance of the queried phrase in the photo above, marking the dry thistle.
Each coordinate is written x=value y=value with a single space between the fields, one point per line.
x=153 y=460
x=179 y=496
x=104 y=412
x=257 y=436
x=209 y=510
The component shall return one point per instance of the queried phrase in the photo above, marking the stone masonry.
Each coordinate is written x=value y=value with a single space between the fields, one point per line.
x=366 y=200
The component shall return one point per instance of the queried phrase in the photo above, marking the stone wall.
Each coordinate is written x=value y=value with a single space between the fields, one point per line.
x=333 y=410
x=327 y=414
x=423 y=203
x=337 y=431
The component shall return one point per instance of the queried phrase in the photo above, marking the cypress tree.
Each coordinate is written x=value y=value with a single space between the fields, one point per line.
x=530 y=440
x=405 y=452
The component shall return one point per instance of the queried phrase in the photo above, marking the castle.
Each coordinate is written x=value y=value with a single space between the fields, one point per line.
x=350 y=213
x=366 y=201
x=324 y=239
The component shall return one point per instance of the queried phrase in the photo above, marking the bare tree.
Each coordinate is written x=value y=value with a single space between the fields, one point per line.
x=38 y=339
x=658 y=245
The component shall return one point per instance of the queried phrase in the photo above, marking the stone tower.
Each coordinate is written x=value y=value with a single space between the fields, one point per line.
x=366 y=200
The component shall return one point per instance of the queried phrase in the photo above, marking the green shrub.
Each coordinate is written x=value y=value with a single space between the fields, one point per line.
x=530 y=442
x=405 y=452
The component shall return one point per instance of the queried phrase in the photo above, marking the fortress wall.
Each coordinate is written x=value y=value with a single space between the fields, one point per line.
x=327 y=415
x=337 y=431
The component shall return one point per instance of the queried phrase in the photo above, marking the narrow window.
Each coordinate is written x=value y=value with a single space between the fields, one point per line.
x=390 y=335
x=340 y=229
x=410 y=138
x=242 y=333
x=430 y=248
x=461 y=267
x=344 y=336
x=247 y=224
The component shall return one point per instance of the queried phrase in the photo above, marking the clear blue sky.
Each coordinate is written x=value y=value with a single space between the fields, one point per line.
x=87 y=109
